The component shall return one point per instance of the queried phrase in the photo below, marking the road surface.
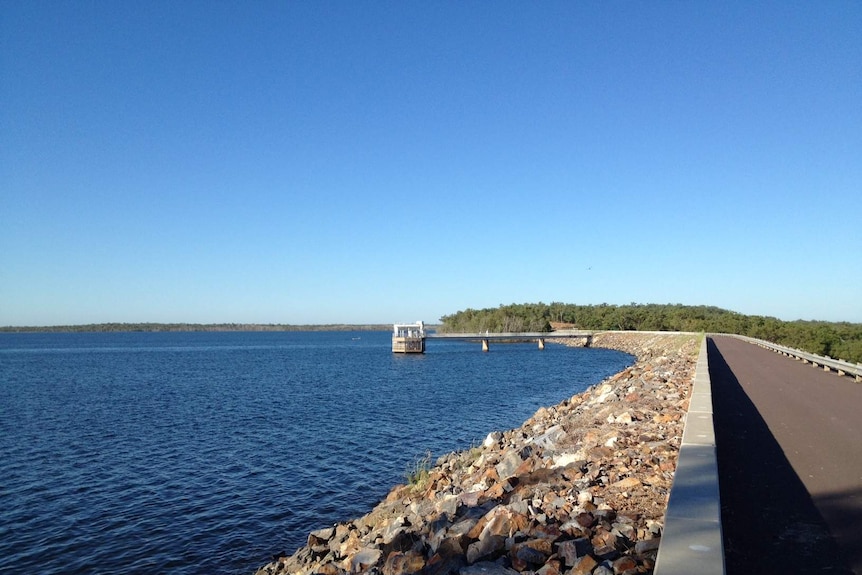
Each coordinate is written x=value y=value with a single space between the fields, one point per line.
x=789 y=445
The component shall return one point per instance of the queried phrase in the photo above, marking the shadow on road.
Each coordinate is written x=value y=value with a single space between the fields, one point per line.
x=844 y=510
x=769 y=521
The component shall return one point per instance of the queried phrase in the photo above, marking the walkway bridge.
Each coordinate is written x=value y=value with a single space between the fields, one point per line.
x=411 y=337
x=538 y=336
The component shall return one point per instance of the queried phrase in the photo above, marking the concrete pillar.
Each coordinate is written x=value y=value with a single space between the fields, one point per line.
x=485 y=345
x=541 y=343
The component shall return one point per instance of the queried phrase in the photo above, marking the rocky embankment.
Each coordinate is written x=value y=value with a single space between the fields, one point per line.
x=580 y=488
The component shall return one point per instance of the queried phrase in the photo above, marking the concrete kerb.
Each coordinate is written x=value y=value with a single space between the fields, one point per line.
x=691 y=543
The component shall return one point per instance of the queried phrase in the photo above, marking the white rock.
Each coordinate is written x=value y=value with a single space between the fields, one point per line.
x=550 y=438
x=448 y=504
x=493 y=439
x=564 y=459
x=364 y=558
x=602 y=393
x=625 y=417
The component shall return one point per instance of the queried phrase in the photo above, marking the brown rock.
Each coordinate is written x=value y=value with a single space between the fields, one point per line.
x=590 y=439
x=624 y=564
x=491 y=475
x=526 y=467
x=543 y=546
x=603 y=538
x=398 y=493
x=519 y=565
x=550 y=532
x=550 y=568
x=477 y=528
x=498 y=522
x=449 y=558
x=606 y=552
x=601 y=452
x=350 y=544
x=518 y=523
x=573 y=549
x=329 y=569
x=487 y=547
x=584 y=566
x=497 y=491
x=408 y=563
x=647 y=546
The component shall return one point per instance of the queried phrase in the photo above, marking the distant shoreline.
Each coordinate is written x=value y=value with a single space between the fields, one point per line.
x=189 y=327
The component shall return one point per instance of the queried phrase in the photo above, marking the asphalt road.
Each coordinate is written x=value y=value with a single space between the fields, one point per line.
x=789 y=445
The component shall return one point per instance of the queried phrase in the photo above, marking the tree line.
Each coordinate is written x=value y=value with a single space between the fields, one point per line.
x=841 y=340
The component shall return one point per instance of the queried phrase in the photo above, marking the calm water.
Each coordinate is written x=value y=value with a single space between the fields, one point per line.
x=209 y=452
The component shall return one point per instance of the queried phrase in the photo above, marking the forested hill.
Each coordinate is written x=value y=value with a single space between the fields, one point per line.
x=837 y=340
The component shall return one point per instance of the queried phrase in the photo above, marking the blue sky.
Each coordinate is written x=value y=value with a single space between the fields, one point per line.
x=323 y=162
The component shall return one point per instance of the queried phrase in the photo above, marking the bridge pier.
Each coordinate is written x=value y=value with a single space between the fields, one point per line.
x=541 y=343
x=485 y=345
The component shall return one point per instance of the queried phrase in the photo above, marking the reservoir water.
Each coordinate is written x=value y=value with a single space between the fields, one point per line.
x=210 y=452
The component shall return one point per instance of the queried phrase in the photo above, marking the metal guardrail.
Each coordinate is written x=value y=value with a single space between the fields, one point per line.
x=827 y=363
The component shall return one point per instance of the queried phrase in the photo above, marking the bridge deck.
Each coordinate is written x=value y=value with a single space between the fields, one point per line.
x=512 y=335
x=789 y=445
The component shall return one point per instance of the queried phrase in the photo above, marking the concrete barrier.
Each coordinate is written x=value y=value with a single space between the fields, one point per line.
x=692 y=543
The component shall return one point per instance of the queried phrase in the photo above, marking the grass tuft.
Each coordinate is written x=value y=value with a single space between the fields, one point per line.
x=418 y=472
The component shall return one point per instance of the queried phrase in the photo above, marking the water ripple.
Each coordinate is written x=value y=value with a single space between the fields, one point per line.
x=192 y=453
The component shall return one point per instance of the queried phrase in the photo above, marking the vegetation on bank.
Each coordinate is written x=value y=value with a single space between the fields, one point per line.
x=126 y=327
x=418 y=473
x=838 y=340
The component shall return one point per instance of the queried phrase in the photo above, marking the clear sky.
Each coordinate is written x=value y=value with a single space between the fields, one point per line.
x=320 y=162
